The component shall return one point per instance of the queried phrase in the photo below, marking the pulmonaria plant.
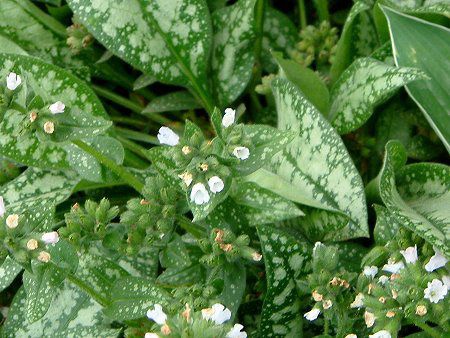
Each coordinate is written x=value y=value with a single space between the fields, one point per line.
x=146 y=190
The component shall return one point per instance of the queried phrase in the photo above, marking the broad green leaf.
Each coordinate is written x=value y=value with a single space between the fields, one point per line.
x=168 y=39
x=419 y=197
x=132 y=297
x=143 y=81
x=358 y=38
x=420 y=44
x=232 y=53
x=9 y=270
x=279 y=34
x=175 y=101
x=386 y=226
x=315 y=168
x=350 y=256
x=8 y=46
x=285 y=258
x=234 y=283
x=143 y=264
x=361 y=87
x=307 y=80
x=71 y=314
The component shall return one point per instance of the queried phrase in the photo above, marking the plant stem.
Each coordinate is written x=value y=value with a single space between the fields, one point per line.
x=322 y=10
x=327 y=327
x=428 y=329
x=136 y=135
x=124 y=174
x=192 y=228
x=129 y=120
x=126 y=103
x=133 y=147
x=88 y=289
x=302 y=13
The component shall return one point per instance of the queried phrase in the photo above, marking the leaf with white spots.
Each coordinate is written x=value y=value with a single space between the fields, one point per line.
x=279 y=34
x=418 y=196
x=133 y=296
x=234 y=283
x=363 y=85
x=143 y=264
x=285 y=256
x=232 y=54
x=71 y=314
x=386 y=226
x=8 y=46
x=350 y=256
x=9 y=270
x=315 y=168
x=175 y=101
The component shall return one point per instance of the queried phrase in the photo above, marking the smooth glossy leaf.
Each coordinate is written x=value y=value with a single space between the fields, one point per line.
x=285 y=257
x=315 y=169
x=361 y=87
x=9 y=270
x=175 y=101
x=232 y=54
x=417 y=43
x=419 y=197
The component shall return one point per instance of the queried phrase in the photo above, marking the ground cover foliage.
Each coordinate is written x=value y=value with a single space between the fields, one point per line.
x=214 y=168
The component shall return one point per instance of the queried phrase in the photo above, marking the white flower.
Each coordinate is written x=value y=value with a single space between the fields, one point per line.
x=151 y=335
x=436 y=261
x=157 y=315
x=381 y=334
x=228 y=117
x=44 y=257
x=2 y=207
x=358 y=302
x=12 y=221
x=383 y=279
x=446 y=281
x=167 y=136
x=218 y=313
x=369 y=318
x=317 y=245
x=57 y=107
x=436 y=291
x=199 y=194
x=370 y=271
x=13 y=81
x=312 y=315
x=215 y=184
x=49 y=127
x=327 y=304
x=50 y=237
x=241 y=153
x=410 y=254
x=235 y=332
x=393 y=267
x=351 y=335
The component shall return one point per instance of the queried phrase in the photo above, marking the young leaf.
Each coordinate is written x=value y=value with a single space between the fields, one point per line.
x=284 y=257
x=175 y=101
x=417 y=43
x=421 y=199
x=315 y=168
x=361 y=87
x=232 y=54
x=8 y=272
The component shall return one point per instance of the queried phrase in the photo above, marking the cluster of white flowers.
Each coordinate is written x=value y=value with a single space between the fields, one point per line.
x=218 y=314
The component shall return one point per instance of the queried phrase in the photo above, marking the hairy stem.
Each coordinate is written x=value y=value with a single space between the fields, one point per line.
x=302 y=14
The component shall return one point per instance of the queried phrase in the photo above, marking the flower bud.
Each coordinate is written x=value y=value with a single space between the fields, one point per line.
x=421 y=310
x=44 y=257
x=32 y=244
x=12 y=221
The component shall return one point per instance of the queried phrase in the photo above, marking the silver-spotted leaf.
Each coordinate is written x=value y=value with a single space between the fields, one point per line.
x=361 y=87
x=175 y=101
x=8 y=272
x=386 y=226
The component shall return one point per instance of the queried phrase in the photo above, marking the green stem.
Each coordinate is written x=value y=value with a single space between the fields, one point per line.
x=88 y=289
x=134 y=161
x=125 y=175
x=302 y=14
x=136 y=135
x=194 y=229
x=129 y=120
x=428 y=329
x=322 y=10
x=133 y=147
x=326 y=329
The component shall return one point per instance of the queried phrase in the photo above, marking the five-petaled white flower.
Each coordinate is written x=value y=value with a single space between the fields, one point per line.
x=381 y=334
x=436 y=261
x=228 y=117
x=236 y=332
x=241 y=153
x=168 y=136
x=50 y=237
x=2 y=207
x=370 y=271
x=57 y=108
x=312 y=315
x=13 y=81
x=215 y=184
x=151 y=335
x=410 y=254
x=358 y=302
x=217 y=313
x=393 y=267
x=436 y=291
x=157 y=315
x=199 y=194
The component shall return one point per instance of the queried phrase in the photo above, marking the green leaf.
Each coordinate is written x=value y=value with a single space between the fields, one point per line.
x=350 y=256
x=8 y=272
x=361 y=87
x=71 y=314
x=386 y=227
x=232 y=54
x=175 y=101
x=419 y=197
x=234 y=283
x=8 y=46
x=143 y=264
x=307 y=80
x=315 y=168
x=424 y=45
x=358 y=38
x=284 y=257
x=279 y=34
x=133 y=296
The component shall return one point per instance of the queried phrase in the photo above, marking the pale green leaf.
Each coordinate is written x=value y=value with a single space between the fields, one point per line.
x=362 y=86
x=8 y=46
x=417 y=43
x=234 y=283
x=175 y=101
x=386 y=226
x=9 y=270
